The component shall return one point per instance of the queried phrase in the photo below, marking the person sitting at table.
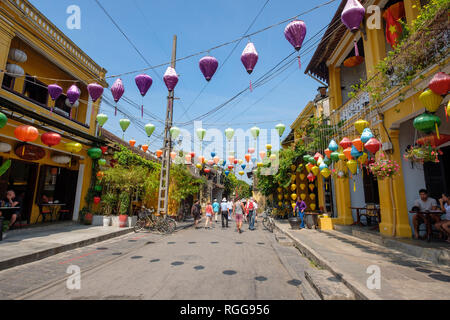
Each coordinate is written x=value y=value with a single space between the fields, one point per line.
x=11 y=201
x=444 y=224
x=423 y=204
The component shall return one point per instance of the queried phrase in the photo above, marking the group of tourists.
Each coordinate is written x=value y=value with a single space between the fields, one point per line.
x=240 y=210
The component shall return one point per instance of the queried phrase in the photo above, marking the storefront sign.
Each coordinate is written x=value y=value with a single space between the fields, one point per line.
x=29 y=152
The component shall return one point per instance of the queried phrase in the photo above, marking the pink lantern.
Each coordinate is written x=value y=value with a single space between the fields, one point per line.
x=143 y=82
x=210 y=162
x=352 y=16
x=231 y=159
x=170 y=78
x=208 y=66
x=95 y=91
x=262 y=154
x=249 y=59
x=188 y=158
x=317 y=156
x=251 y=150
x=117 y=91
x=295 y=33
x=173 y=155
x=216 y=159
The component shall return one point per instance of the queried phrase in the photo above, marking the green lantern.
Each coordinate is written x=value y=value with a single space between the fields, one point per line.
x=255 y=132
x=229 y=133
x=280 y=128
x=124 y=124
x=174 y=132
x=327 y=161
x=94 y=153
x=102 y=162
x=3 y=120
x=201 y=133
x=101 y=119
x=311 y=160
x=149 y=128
x=98 y=188
x=334 y=156
x=427 y=122
x=306 y=157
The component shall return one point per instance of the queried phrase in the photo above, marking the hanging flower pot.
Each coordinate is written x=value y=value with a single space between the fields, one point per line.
x=440 y=84
x=384 y=168
x=430 y=100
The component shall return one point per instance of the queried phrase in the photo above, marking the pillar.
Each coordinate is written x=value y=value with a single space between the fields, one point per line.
x=342 y=196
x=374 y=49
x=412 y=8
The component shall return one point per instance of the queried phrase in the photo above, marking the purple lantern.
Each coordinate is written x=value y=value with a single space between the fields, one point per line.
x=95 y=91
x=170 y=78
x=353 y=15
x=55 y=91
x=73 y=94
x=249 y=57
x=143 y=82
x=117 y=91
x=208 y=66
x=295 y=33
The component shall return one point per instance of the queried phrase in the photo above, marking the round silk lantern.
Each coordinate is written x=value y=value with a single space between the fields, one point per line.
x=251 y=150
x=149 y=128
x=309 y=167
x=280 y=197
x=101 y=162
x=303 y=196
x=328 y=153
x=73 y=94
x=210 y=162
x=311 y=187
x=426 y=122
x=294 y=196
x=302 y=186
x=188 y=158
x=293 y=177
x=259 y=164
x=227 y=173
x=201 y=159
x=97 y=200
x=208 y=66
x=311 y=160
x=440 y=84
x=311 y=177
x=430 y=100
x=230 y=167
x=249 y=57
x=293 y=167
x=342 y=156
x=357 y=143
x=255 y=132
x=355 y=153
x=317 y=156
x=3 y=120
x=302 y=176
x=286 y=196
x=295 y=33
x=51 y=138
x=192 y=155
x=306 y=157
x=104 y=149
x=235 y=161
x=280 y=203
x=231 y=159
x=159 y=153
x=124 y=124
x=174 y=132
x=366 y=135
x=216 y=160
x=200 y=133
x=293 y=187
x=312 y=196
x=54 y=91
x=360 y=125
x=325 y=172
x=247 y=158
x=132 y=142
x=173 y=155
x=61 y=159
x=373 y=145
x=198 y=165
x=363 y=158
x=335 y=156
x=94 y=153
x=95 y=91
x=315 y=170
x=101 y=119
x=312 y=206
x=352 y=15
x=333 y=145
x=73 y=147
x=348 y=153
x=229 y=133
x=207 y=170
x=243 y=166
x=26 y=133
x=345 y=143
x=279 y=189
x=268 y=147
x=262 y=154
x=241 y=173
x=352 y=165
x=322 y=166
x=280 y=128
x=213 y=154
x=144 y=147
x=327 y=160
x=170 y=78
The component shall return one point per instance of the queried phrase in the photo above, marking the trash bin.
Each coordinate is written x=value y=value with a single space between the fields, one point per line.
x=1 y=228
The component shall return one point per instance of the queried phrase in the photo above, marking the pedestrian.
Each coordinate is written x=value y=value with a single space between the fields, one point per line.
x=216 y=207
x=238 y=211
x=224 y=210
x=209 y=213
x=230 y=208
x=250 y=210
x=299 y=209
x=255 y=203
x=196 y=212
x=244 y=203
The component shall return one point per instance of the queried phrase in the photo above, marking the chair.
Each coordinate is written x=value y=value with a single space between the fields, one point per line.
x=371 y=211
x=63 y=214
x=43 y=211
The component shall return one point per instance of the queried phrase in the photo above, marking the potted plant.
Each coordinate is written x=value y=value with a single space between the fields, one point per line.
x=422 y=154
x=124 y=203
x=295 y=221
x=86 y=216
x=109 y=200
x=384 y=168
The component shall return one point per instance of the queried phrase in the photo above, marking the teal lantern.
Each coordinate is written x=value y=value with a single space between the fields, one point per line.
x=334 y=156
x=366 y=135
x=333 y=146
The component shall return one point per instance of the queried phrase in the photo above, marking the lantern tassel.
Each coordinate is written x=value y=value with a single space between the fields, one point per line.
x=23 y=150
x=354 y=186
x=142 y=111
x=356 y=49
x=446 y=114
x=251 y=88
x=437 y=130
x=299 y=62
x=115 y=110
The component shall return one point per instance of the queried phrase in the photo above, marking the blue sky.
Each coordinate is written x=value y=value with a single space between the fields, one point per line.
x=199 y=25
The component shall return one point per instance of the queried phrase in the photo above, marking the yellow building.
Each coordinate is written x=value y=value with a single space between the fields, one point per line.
x=34 y=52
x=391 y=118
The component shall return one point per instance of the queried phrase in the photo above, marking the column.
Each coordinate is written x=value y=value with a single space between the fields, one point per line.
x=342 y=196
x=411 y=10
x=374 y=49
x=6 y=35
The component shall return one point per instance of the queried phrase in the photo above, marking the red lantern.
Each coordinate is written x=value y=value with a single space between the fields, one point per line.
x=311 y=177
x=97 y=200
x=207 y=170
x=433 y=140
x=104 y=149
x=51 y=138
x=192 y=155
x=132 y=142
x=235 y=161
x=345 y=143
x=373 y=145
x=230 y=166
x=26 y=133
x=159 y=153
x=317 y=156
x=100 y=175
x=358 y=144
x=440 y=84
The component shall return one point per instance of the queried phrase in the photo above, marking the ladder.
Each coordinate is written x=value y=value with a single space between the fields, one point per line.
x=163 y=193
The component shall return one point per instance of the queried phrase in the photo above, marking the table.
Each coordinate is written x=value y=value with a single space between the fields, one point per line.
x=427 y=215
x=358 y=216
x=54 y=208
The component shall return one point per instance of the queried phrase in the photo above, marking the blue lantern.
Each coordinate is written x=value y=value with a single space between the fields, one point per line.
x=355 y=153
x=227 y=172
x=366 y=135
x=333 y=146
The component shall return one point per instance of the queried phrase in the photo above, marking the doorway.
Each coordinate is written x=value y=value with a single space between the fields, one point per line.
x=437 y=175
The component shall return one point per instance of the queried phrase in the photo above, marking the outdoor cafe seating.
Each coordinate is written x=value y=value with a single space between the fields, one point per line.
x=370 y=212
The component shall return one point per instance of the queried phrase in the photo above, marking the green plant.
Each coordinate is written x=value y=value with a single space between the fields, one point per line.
x=422 y=154
x=109 y=201
x=184 y=184
x=124 y=203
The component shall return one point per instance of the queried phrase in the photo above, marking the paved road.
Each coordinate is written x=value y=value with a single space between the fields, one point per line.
x=190 y=264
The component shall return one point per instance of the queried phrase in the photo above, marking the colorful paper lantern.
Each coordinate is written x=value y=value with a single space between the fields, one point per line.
x=101 y=119
x=145 y=147
x=360 y=125
x=104 y=149
x=201 y=159
x=247 y=158
x=352 y=15
x=208 y=66
x=132 y=142
x=293 y=177
x=363 y=158
x=430 y=100
x=325 y=172
x=51 y=138
x=201 y=133
x=303 y=196
x=262 y=154
x=255 y=132
x=311 y=187
x=198 y=165
x=54 y=91
x=174 y=132
x=426 y=122
x=259 y=164
x=302 y=186
x=229 y=133
x=188 y=158
x=322 y=166
x=358 y=144
x=95 y=91
x=348 y=153
x=317 y=156
x=302 y=176
x=352 y=165
x=73 y=147
x=227 y=173
x=294 y=196
x=293 y=167
x=170 y=78
x=311 y=177
x=366 y=135
x=173 y=155
x=280 y=128
x=355 y=153
x=342 y=156
x=117 y=90
x=440 y=84
x=26 y=133
x=268 y=147
x=101 y=162
x=207 y=170
x=159 y=153
x=251 y=150
x=94 y=153
x=328 y=153
x=312 y=196
x=241 y=173
x=3 y=120
x=315 y=170
x=293 y=187
x=335 y=156
x=124 y=124
x=216 y=160
x=312 y=206
x=327 y=160
x=249 y=57
x=373 y=145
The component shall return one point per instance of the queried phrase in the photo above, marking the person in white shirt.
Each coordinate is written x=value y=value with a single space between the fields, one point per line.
x=224 y=212
x=424 y=203
x=444 y=224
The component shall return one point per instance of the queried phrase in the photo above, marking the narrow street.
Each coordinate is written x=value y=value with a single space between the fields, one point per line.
x=190 y=264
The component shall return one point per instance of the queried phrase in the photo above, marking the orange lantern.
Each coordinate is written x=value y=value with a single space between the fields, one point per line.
x=358 y=144
x=348 y=153
x=145 y=147
x=353 y=61
x=201 y=159
x=100 y=175
x=26 y=133
x=173 y=155
x=132 y=142
x=188 y=158
x=159 y=153
x=328 y=153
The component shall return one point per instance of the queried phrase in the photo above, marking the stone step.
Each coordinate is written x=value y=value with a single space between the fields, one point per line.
x=283 y=240
x=327 y=286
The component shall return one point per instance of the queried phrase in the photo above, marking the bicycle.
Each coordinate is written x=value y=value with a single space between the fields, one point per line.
x=145 y=220
x=268 y=221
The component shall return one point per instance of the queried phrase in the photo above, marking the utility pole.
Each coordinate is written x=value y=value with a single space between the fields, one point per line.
x=163 y=193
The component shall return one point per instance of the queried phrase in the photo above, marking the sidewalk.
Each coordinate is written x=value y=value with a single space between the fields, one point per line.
x=27 y=245
x=403 y=277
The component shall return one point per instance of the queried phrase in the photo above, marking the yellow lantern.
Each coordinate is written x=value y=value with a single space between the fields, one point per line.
x=280 y=203
x=268 y=146
x=303 y=196
x=293 y=177
x=352 y=165
x=342 y=156
x=447 y=111
x=302 y=186
x=315 y=170
x=325 y=172
x=312 y=206
x=259 y=164
x=360 y=125
x=73 y=147
x=286 y=196
x=293 y=187
x=363 y=158
x=280 y=197
x=430 y=100
x=241 y=173
x=293 y=167
x=309 y=167
x=311 y=186
x=312 y=196
x=198 y=165
x=279 y=189
x=293 y=205
x=273 y=157
x=240 y=161
x=302 y=176
x=294 y=196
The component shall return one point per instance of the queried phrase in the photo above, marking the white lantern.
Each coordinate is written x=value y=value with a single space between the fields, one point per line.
x=5 y=147
x=61 y=159
x=14 y=70
x=75 y=105
x=17 y=55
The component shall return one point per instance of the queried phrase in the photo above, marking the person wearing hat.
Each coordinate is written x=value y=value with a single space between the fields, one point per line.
x=216 y=207
x=225 y=212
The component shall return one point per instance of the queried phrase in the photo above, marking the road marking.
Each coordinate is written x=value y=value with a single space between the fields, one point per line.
x=136 y=238
x=82 y=256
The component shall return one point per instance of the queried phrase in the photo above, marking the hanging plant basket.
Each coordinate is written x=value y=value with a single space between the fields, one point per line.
x=422 y=154
x=384 y=168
